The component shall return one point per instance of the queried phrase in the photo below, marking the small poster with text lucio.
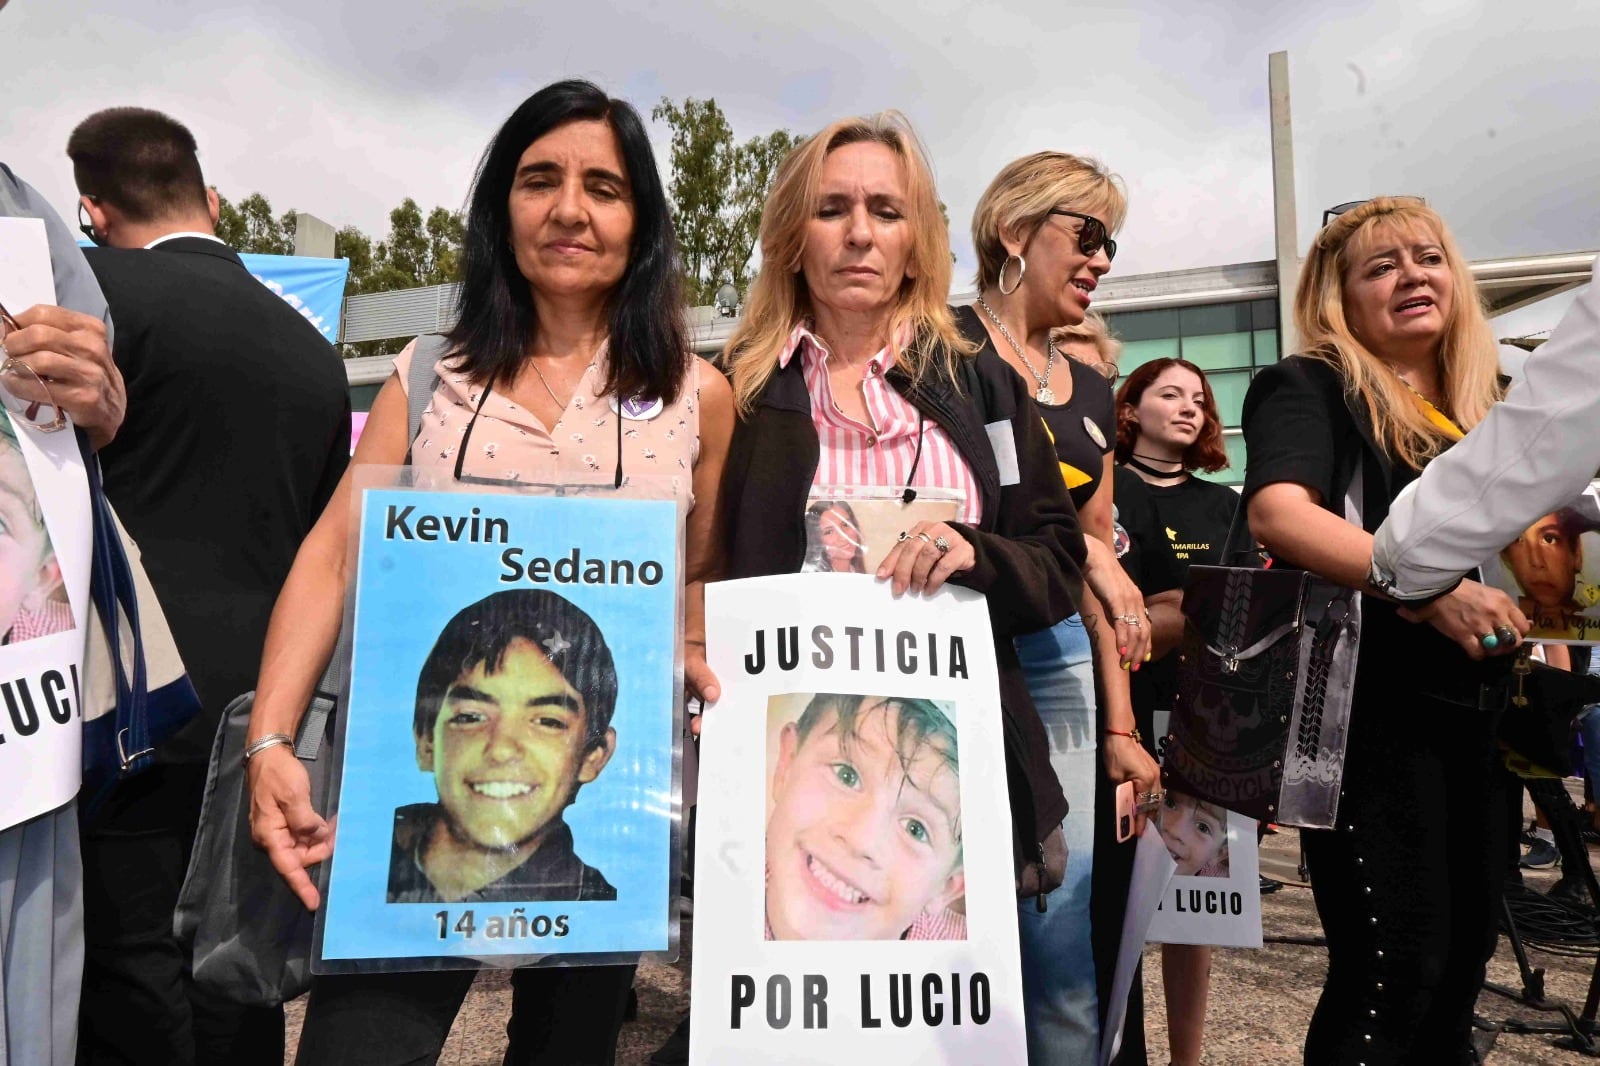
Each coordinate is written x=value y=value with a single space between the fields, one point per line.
x=508 y=787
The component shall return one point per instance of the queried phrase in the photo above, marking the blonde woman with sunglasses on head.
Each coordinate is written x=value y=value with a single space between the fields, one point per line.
x=1398 y=362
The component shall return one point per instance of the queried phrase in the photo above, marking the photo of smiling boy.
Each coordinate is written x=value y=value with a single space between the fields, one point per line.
x=1195 y=833
x=33 y=600
x=513 y=716
x=864 y=824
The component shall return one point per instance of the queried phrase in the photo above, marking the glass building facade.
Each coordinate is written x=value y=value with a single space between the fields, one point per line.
x=1229 y=341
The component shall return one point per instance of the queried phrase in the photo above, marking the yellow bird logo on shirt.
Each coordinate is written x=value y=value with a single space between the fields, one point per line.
x=1069 y=473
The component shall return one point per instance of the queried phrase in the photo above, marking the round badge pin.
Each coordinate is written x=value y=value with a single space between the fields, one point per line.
x=1094 y=432
x=638 y=408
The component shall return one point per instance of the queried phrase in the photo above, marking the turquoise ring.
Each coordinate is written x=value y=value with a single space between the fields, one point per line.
x=1489 y=641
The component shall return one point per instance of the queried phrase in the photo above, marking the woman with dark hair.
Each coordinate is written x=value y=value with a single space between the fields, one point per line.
x=567 y=364
x=833 y=539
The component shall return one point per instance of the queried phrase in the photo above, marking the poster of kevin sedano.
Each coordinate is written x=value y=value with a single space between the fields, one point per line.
x=45 y=546
x=1553 y=572
x=1214 y=896
x=508 y=786
x=857 y=740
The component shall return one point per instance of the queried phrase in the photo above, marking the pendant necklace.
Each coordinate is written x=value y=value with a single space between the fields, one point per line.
x=1045 y=394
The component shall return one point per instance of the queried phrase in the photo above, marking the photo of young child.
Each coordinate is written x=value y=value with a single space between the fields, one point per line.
x=1195 y=833
x=864 y=830
x=33 y=600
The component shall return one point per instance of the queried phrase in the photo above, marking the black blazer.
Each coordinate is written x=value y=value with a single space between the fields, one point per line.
x=237 y=431
x=1029 y=544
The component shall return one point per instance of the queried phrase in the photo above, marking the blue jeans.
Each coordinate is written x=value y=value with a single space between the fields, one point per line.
x=1058 y=975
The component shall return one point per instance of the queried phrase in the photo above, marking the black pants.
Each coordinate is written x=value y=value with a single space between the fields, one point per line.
x=559 y=1017
x=1409 y=883
x=140 y=1006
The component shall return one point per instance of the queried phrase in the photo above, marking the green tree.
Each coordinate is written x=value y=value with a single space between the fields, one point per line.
x=250 y=227
x=718 y=187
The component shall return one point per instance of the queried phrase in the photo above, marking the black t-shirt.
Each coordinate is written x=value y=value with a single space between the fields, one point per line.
x=1083 y=430
x=1195 y=517
x=1298 y=428
x=1142 y=545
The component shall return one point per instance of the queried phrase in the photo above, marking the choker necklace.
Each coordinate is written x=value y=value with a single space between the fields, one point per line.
x=1145 y=468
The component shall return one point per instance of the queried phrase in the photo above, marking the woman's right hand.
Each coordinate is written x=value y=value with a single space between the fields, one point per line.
x=1470 y=612
x=1121 y=599
x=282 y=823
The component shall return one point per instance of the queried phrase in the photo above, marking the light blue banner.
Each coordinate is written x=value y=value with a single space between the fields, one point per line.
x=314 y=287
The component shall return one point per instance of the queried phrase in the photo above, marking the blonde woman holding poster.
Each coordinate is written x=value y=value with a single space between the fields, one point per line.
x=568 y=364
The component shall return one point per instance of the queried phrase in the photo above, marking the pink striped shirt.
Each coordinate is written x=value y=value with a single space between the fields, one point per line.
x=882 y=452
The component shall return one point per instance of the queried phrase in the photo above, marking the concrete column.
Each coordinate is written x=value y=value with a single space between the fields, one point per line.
x=1283 y=205
x=312 y=236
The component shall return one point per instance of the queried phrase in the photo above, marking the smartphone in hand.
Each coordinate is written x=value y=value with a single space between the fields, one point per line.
x=1125 y=811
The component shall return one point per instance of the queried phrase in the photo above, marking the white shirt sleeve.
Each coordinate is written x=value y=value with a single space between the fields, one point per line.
x=1535 y=452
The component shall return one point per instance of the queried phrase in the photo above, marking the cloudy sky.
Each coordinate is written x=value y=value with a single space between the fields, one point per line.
x=343 y=108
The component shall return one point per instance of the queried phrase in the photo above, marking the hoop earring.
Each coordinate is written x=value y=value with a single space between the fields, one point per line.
x=1000 y=279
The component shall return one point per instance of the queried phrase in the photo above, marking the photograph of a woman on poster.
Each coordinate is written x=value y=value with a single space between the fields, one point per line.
x=1195 y=833
x=513 y=717
x=864 y=820
x=33 y=601
x=834 y=541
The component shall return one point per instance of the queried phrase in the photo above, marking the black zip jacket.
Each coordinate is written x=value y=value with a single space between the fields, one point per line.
x=1029 y=545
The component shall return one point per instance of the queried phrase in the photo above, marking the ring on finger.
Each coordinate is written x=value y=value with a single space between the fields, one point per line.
x=903 y=537
x=1489 y=641
x=942 y=543
x=924 y=538
x=1129 y=619
x=1505 y=634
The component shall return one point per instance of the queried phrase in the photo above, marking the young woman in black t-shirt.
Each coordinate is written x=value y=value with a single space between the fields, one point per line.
x=1167 y=427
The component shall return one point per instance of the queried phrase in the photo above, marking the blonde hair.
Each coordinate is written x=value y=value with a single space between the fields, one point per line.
x=1022 y=195
x=1469 y=361
x=1093 y=329
x=779 y=298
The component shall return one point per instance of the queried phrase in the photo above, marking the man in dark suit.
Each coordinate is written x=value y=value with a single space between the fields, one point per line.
x=237 y=430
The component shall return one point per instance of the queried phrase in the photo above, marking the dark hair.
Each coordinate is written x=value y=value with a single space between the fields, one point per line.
x=1207 y=452
x=816 y=557
x=482 y=632
x=648 y=351
x=139 y=161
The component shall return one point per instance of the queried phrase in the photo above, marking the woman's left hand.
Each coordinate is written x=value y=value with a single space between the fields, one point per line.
x=919 y=564
x=1126 y=760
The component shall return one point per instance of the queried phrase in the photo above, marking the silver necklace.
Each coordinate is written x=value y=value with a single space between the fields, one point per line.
x=1045 y=394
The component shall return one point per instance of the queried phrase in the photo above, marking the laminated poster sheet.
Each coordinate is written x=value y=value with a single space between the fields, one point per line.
x=46 y=545
x=1214 y=896
x=1553 y=572
x=854 y=871
x=508 y=785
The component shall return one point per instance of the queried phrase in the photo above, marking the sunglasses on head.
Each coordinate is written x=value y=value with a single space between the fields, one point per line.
x=1338 y=209
x=1093 y=236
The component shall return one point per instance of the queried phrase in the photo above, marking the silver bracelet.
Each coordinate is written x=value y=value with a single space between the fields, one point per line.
x=271 y=740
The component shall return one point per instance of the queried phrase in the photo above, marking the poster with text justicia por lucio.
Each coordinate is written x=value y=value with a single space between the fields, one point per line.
x=854 y=876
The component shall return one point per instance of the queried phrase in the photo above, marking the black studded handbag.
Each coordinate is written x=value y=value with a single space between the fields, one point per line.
x=1266 y=670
